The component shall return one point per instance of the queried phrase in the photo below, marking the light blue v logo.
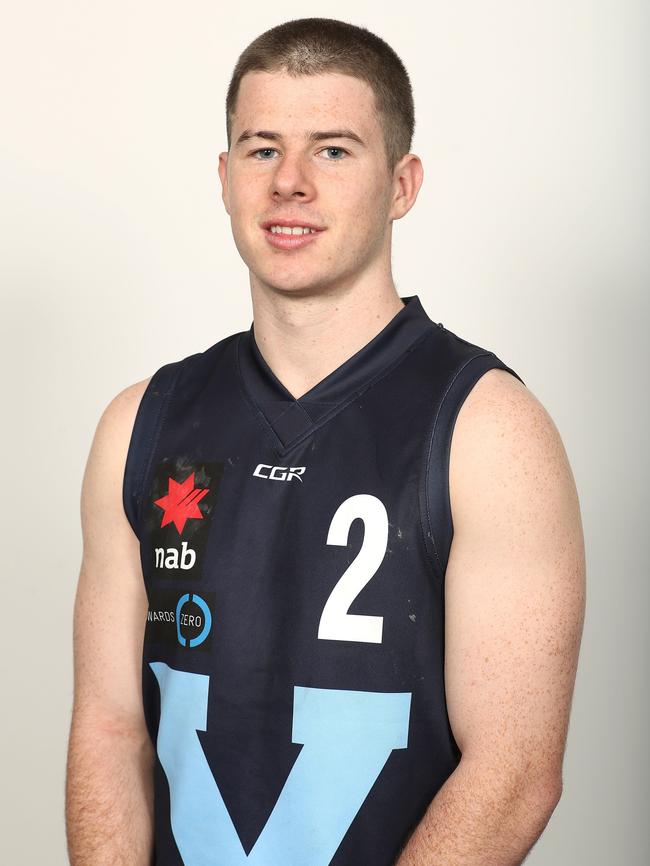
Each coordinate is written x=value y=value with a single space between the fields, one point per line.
x=347 y=737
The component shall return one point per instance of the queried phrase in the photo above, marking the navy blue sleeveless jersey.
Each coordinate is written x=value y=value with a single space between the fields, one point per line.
x=294 y=554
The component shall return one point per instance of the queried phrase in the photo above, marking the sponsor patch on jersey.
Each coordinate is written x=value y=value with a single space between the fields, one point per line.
x=181 y=504
x=180 y=619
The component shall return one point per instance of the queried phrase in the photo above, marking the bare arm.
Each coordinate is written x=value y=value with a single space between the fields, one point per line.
x=514 y=610
x=109 y=780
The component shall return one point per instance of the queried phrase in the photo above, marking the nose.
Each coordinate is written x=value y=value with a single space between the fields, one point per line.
x=291 y=179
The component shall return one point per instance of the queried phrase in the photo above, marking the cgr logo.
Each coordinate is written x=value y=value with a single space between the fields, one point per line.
x=279 y=473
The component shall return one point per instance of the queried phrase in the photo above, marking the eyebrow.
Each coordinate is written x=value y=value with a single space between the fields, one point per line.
x=313 y=136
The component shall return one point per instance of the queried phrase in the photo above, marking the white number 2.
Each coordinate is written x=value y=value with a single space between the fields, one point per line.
x=335 y=622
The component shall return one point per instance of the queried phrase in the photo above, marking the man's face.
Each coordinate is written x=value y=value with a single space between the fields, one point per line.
x=334 y=183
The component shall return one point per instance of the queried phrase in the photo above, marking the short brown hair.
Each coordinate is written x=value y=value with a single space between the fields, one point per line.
x=310 y=46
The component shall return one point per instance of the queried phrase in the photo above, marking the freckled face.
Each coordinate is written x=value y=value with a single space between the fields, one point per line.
x=336 y=183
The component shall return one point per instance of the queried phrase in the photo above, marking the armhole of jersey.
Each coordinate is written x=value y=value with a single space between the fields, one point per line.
x=435 y=498
x=144 y=437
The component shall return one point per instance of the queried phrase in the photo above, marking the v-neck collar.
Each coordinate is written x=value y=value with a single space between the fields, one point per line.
x=292 y=419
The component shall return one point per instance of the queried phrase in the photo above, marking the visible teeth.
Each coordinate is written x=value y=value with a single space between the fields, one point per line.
x=287 y=230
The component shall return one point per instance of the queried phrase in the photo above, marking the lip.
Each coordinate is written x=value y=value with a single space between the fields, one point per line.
x=290 y=242
x=291 y=223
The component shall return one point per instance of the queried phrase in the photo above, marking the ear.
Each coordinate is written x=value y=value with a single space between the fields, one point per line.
x=223 y=176
x=407 y=180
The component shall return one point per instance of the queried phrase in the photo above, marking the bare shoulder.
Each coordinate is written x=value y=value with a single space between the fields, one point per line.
x=514 y=586
x=505 y=444
x=105 y=465
x=120 y=412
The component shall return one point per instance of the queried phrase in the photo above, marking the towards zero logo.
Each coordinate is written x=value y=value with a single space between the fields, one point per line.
x=176 y=618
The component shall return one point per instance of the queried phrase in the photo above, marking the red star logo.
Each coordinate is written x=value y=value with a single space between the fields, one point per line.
x=181 y=502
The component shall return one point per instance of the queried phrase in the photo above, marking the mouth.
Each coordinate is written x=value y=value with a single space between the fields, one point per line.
x=290 y=234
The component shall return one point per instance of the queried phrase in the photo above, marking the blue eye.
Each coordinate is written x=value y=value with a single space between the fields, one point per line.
x=339 y=149
x=268 y=150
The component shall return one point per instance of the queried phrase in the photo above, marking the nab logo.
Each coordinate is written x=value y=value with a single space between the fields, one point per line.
x=173 y=558
x=279 y=473
x=181 y=503
x=183 y=495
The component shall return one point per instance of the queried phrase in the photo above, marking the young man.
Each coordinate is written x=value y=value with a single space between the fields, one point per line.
x=323 y=678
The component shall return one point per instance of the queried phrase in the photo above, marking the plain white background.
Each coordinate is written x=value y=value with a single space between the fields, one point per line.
x=529 y=237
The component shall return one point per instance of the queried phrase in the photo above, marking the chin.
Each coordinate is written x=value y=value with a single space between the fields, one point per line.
x=293 y=284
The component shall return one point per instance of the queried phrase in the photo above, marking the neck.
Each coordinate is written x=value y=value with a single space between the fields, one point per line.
x=303 y=338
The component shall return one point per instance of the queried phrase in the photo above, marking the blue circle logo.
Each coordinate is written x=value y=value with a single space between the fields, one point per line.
x=192 y=620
